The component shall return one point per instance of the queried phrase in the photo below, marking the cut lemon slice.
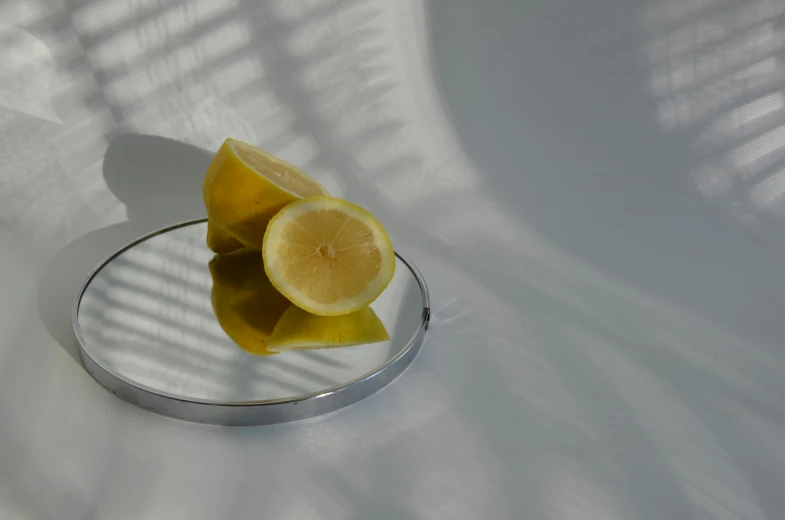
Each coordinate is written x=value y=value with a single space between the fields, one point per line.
x=243 y=188
x=328 y=256
x=301 y=330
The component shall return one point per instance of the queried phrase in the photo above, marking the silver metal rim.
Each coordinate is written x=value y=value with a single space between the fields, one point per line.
x=247 y=412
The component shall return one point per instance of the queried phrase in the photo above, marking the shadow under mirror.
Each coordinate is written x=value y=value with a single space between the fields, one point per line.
x=168 y=315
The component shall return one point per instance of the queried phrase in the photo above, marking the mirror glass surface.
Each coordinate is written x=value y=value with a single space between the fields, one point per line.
x=151 y=314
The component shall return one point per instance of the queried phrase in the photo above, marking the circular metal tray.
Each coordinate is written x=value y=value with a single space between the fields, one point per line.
x=144 y=322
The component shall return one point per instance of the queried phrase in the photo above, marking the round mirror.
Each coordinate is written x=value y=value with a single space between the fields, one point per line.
x=168 y=325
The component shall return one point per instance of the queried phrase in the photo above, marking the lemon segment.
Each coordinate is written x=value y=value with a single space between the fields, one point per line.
x=243 y=188
x=301 y=330
x=328 y=256
x=245 y=303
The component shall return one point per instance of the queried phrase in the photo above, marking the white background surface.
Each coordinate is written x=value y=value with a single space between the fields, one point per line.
x=593 y=191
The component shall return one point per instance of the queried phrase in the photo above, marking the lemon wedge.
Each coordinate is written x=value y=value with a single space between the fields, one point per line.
x=328 y=256
x=243 y=188
x=245 y=303
x=301 y=330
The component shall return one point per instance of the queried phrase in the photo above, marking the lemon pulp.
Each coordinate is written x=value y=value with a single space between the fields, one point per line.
x=328 y=256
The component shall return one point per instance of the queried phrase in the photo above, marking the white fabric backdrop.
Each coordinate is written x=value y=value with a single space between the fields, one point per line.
x=593 y=191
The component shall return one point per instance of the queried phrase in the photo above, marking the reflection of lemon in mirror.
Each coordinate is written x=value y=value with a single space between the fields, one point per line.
x=301 y=330
x=221 y=241
x=243 y=188
x=328 y=256
x=245 y=303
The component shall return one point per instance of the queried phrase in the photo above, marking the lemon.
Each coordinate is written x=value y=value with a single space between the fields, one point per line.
x=243 y=188
x=301 y=330
x=328 y=256
x=245 y=303
x=221 y=241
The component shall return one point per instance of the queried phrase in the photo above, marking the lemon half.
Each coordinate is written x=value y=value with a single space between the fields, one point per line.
x=328 y=256
x=243 y=188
